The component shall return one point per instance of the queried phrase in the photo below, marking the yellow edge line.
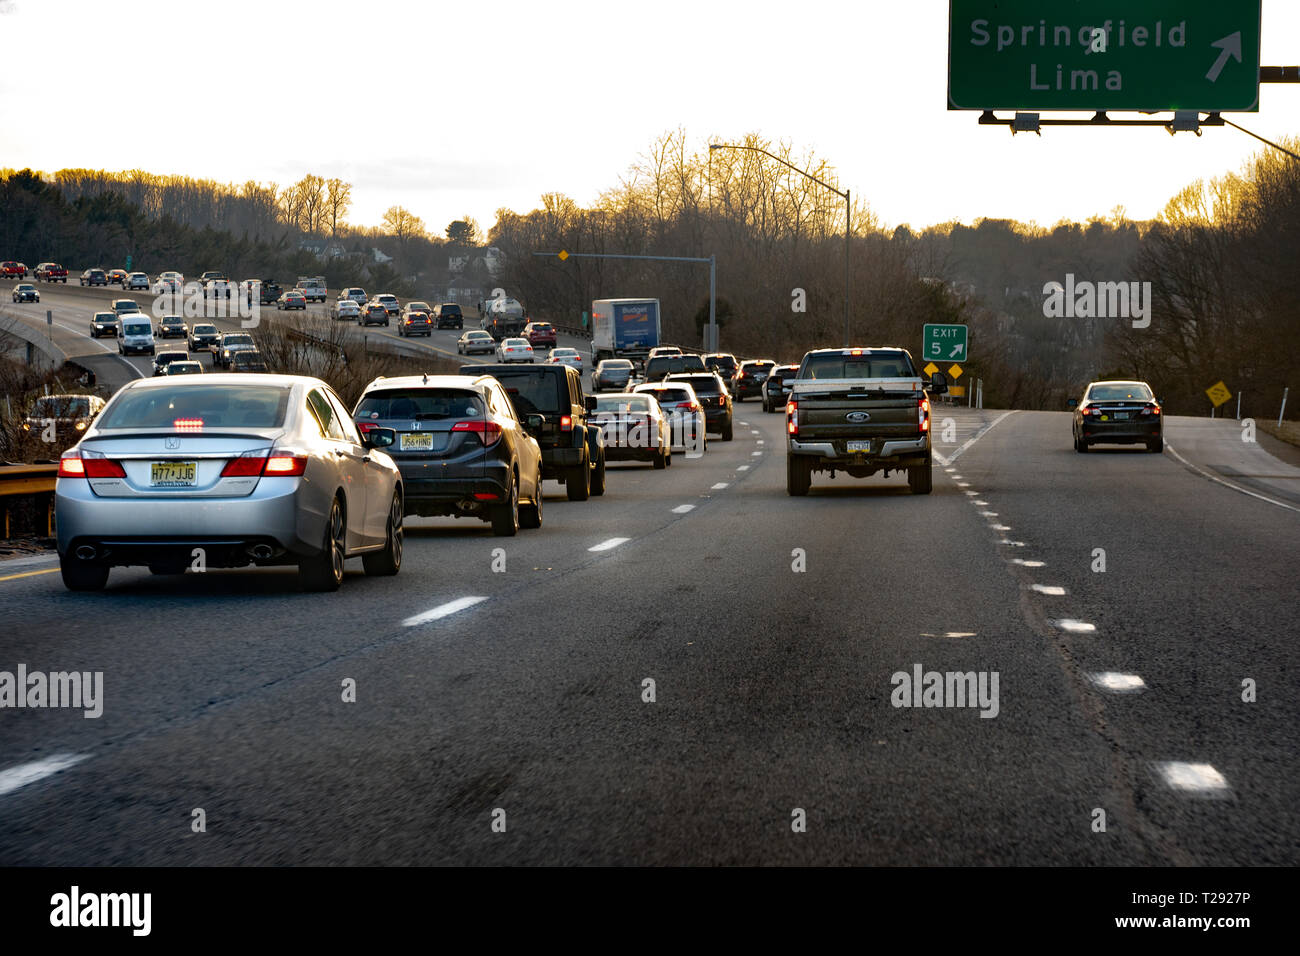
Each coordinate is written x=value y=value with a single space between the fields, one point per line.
x=28 y=574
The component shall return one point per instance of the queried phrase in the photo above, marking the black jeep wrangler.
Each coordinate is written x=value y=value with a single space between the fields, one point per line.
x=573 y=451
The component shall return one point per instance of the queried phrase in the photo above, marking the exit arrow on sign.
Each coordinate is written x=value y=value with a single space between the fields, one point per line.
x=1230 y=46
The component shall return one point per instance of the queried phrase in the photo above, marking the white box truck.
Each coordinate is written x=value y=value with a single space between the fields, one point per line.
x=624 y=328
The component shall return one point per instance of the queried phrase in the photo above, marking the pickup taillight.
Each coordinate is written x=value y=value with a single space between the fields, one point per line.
x=792 y=417
x=923 y=413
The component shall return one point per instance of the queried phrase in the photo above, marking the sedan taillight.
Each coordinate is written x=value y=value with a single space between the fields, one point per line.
x=74 y=466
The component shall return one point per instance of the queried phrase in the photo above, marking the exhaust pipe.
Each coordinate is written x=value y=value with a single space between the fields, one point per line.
x=86 y=552
x=260 y=551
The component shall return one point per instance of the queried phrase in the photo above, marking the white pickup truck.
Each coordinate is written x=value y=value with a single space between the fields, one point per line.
x=859 y=410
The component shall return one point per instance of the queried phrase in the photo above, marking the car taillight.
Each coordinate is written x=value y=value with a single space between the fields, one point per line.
x=245 y=466
x=923 y=413
x=76 y=467
x=187 y=424
x=566 y=423
x=1151 y=408
x=286 y=466
x=792 y=418
x=722 y=400
x=1092 y=411
x=489 y=432
x=364 y=428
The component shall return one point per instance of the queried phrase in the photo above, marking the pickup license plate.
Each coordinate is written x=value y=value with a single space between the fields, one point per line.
x=173 y=474
x=421 y=442
x=1120 y=416
x=859 y=446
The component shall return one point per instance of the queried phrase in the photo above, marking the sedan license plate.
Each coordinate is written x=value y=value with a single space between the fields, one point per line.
x=421 y=442
x=859 y=446
x=173 y=474
x=1121 y=416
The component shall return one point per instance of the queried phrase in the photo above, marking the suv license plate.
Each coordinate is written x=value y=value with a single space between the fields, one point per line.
x=173 y=474
x=859 y=446
x=420 y=442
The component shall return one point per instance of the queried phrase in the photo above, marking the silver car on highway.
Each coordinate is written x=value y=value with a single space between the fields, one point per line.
x=224 y=471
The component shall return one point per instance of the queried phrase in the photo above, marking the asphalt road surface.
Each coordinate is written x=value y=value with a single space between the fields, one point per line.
x=502 y=712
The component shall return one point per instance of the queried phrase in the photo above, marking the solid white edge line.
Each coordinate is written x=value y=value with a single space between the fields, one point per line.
x=14 y=778
x=442 y=610
x=1227 y=484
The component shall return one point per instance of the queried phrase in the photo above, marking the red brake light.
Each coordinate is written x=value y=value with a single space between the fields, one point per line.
x=923 y=413
x=286 y=466
x=71 y=468
x=566 y=423
x=792 y=418
x=89 y=468
x=245 y=466
x=489 y=432
x=364 y=428
x=485 y=496
x=189 y=424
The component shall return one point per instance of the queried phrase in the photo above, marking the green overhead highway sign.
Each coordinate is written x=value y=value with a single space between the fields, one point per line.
x=944 y=343
x=1149 y=55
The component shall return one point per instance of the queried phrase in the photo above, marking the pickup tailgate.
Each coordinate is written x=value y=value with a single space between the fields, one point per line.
x=840 y=410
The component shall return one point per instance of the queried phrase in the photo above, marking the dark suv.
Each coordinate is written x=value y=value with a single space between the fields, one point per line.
x=460 y=447
x=448 y=316
x=661 y=366
x=724 y=363
x=573 y=451
x=749 y=378
x=713 y=395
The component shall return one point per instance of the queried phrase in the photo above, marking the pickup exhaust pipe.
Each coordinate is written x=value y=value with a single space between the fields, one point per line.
x=261 y=551
x=86 y=552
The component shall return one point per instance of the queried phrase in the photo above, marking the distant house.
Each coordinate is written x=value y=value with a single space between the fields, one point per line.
x=464 y=294
x=493 y=260
x=457 y=264
x=322 y=248
x=380 y=258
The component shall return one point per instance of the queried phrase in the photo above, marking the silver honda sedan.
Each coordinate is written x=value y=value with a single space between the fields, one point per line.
x=224 y=471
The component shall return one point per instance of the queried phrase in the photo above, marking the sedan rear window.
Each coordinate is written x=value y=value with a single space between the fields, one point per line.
x=704 y=384
x=205 y=406
x=1119 y=393
x=608 y=404
x=670 y=396
x=419 y=404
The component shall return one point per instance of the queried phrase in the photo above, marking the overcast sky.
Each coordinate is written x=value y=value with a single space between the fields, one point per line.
x=454 y=108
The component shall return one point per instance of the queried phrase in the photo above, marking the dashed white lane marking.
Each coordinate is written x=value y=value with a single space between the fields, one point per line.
x=1192 y=777
x=956 y=477
x=738 y=422
x=442 y=610
x=963 y=484
x=1055 y=590
x=755 y=431
x=979 y=502
x=1000 y=527
x=742 y=468
x=1227 y=484
x=1012 y=544
x=615 y=542
x=970 y=492
x=20 y=776
x=719 y=486
x=1075 y=627
x=759 y=442
x=755 y=454
x=1118 y=683
x=948 y=460
x=988 y=514
x=1029 y=564
x=679 y=510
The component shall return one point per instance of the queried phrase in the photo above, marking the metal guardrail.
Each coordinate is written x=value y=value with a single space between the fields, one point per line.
x=27 y=481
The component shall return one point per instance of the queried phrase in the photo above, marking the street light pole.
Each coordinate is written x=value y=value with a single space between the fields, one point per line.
x=848 y=216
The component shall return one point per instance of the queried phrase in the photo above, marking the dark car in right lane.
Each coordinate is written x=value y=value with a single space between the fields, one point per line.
x=1118 y=413
x=612 y=374
x=460 y=447
x=713 y=395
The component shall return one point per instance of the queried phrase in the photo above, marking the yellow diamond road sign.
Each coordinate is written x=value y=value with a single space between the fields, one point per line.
x=1218 y=393
x=954 y=371
x=931 y=369
x=563 y=255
